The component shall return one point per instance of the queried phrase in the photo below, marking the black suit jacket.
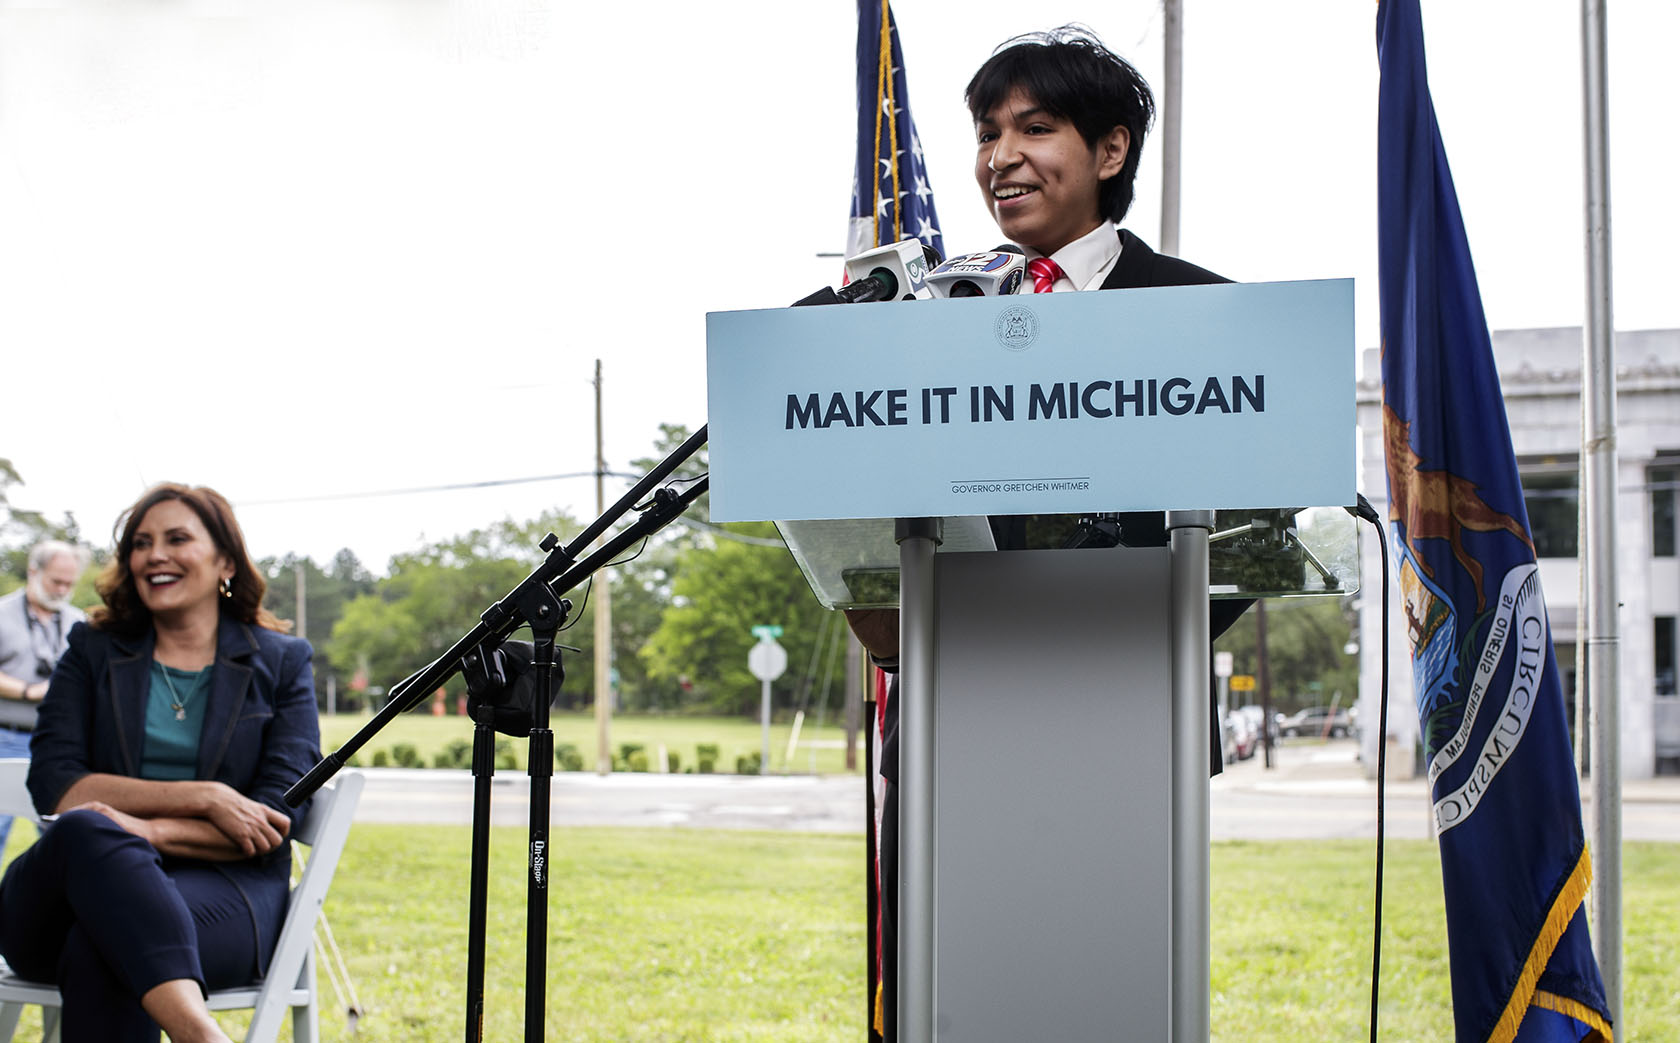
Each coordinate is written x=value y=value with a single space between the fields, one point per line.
x=1139 y=266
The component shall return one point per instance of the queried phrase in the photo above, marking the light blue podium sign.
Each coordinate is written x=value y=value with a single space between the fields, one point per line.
x=1185 y=397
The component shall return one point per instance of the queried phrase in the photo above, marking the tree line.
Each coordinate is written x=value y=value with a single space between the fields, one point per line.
x=683 y=606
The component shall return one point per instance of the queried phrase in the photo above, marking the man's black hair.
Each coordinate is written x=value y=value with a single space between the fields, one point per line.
x=1073 y=76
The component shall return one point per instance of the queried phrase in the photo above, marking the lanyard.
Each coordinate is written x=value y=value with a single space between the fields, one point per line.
x=54 y=640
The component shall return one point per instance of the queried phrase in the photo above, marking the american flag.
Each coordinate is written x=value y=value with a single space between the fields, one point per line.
x=891 y=197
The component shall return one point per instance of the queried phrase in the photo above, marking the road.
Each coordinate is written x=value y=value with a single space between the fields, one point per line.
x=808 y=803
x=1316 y=791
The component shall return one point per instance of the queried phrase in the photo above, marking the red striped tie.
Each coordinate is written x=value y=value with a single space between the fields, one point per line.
x=1045 y=272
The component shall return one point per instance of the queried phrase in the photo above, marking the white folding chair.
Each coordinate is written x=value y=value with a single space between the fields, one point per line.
x=14 y=795
x=290 y=983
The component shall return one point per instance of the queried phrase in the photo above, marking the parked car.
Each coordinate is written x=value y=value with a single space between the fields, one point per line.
x=1241 y=738
x=1228 y=738
x=1255 y=716
x=1318 y=721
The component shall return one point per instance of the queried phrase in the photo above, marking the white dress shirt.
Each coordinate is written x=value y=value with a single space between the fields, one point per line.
x=1086 y=261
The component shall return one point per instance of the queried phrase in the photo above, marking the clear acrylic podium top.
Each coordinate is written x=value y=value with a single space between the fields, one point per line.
x=1269 y=552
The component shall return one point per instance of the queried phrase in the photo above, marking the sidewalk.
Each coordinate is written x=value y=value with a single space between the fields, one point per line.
x=1302 y=767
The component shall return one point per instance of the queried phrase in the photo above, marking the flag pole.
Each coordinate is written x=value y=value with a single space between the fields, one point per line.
x=1172 y=106
x=1598 y=456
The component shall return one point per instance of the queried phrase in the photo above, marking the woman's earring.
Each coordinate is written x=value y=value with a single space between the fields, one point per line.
x=227 y=588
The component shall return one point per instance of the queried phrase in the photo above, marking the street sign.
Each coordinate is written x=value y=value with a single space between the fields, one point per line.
x=767 y=660
x=1242 y=683
x=1222 y=663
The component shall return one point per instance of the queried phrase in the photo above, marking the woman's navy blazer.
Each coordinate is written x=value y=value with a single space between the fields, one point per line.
x=261 y=732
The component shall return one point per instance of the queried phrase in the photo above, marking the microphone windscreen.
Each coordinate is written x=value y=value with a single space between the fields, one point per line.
x=906 y=259
x=988 y=274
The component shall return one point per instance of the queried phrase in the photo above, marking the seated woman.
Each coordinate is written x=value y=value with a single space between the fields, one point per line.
x=173 y=724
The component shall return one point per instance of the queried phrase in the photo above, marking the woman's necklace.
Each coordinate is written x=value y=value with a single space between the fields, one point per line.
x=176 y=703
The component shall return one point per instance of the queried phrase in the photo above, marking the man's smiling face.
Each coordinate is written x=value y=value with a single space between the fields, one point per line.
x=1038 y=176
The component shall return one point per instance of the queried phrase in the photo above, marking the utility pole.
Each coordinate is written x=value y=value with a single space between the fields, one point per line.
x=602 y=594
x=302 y=600
x=1172 y=122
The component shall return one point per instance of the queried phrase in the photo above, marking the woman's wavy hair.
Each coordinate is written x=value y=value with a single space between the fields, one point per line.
x=124 y=612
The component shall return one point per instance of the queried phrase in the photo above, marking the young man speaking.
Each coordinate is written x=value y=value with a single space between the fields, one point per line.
x=1059 y=124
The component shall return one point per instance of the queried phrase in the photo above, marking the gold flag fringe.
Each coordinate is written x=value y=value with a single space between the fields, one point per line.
x=1527 y=992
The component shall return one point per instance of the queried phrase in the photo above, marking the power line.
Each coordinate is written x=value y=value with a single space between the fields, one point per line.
x=414 y=490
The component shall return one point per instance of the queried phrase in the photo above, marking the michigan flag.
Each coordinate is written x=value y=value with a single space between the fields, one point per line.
x=1514 y=862
x=891 y=198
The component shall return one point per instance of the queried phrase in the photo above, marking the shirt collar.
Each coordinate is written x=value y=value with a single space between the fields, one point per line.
x=1090 y=257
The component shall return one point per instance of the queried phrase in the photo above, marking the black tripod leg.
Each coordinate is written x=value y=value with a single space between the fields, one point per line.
x=536 y=919
x=547 y=614
x=483 y=768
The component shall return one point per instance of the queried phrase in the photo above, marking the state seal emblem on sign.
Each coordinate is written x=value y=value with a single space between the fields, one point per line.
x=1016 y=328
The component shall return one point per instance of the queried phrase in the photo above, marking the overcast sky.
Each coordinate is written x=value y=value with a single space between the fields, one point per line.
x=295 y=249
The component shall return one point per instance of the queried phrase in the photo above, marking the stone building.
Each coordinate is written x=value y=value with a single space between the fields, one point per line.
x=1540 y=373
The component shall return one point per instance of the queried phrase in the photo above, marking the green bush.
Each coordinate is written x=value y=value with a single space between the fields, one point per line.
x=381 y=759
x=706 y=751
x=748 y=764
x=505 y=757
x=626 y=749
x=638 y=760
x=406 y=755
x=567 y=757
x=458 y=754
x=673 y=762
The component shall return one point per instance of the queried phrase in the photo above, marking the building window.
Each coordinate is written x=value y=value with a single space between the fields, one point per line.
x=1553 y=503
x=1666 y=627
x=1663 y=481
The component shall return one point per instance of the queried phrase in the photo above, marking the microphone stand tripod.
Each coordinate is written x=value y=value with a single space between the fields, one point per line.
x=539 y=603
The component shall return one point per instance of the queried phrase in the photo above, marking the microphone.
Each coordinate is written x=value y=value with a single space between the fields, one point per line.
x=895 y=272
x=988 y=274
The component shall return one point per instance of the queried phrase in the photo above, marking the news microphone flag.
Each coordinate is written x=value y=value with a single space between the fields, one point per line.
x=1514 y=863
x=891 y=197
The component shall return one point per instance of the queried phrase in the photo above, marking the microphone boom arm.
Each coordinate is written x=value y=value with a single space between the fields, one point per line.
x=561 y=572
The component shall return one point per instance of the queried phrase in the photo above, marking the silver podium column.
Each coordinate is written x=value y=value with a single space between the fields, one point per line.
x=1191 y=951
x=917 y=540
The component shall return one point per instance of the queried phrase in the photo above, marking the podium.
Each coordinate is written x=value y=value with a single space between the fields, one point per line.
x=1054 y=714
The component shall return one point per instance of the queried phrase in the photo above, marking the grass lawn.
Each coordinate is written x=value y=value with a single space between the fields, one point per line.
x=820 y=751
x=674 y=935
